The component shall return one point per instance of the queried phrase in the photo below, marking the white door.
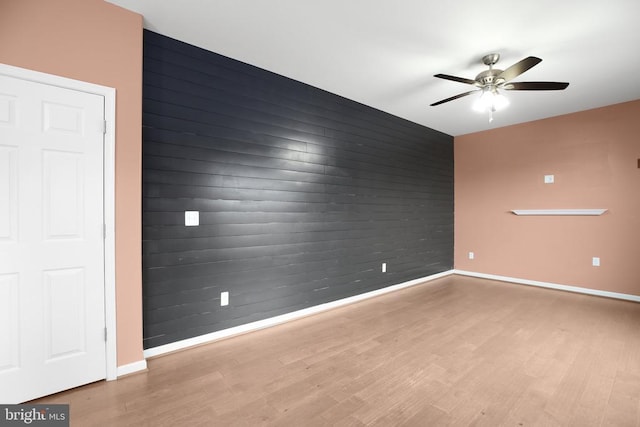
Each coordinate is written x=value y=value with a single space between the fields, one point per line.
x=52 y=316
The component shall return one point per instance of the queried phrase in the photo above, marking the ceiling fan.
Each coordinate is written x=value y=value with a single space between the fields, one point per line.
x=490 y=81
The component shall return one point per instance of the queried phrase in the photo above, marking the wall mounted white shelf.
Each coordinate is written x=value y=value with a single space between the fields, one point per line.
x=559 y=211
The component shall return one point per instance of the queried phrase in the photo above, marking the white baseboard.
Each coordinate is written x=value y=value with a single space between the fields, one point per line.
x=266 y=323
x=273 y=321
x=140 y=365
x=567 y=288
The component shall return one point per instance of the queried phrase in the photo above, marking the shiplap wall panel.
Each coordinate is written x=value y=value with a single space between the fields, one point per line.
x=302 y=194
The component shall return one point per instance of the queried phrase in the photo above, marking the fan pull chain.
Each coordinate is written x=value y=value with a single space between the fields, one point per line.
x=491 y=110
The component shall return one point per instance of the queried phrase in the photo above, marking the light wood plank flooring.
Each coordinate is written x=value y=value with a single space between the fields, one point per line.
x=456 y=351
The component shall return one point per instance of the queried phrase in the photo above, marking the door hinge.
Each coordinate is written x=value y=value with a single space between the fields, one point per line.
x=104 y=126
x=104 y=231
x=105 y=334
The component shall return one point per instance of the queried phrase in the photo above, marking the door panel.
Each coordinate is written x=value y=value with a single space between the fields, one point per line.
x=9 y=323
x=7 y=110
x=65 y=313
x=8 y=193
x=65 y=119
x=63 y=194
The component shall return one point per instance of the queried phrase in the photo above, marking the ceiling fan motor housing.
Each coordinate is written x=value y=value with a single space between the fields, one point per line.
x=489 y=78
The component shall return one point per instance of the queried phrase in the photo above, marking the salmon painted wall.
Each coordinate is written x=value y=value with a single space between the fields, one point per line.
x=594 y=157
x=100 y=43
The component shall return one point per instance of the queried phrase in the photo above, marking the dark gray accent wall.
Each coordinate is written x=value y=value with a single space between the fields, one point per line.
x=302 y=194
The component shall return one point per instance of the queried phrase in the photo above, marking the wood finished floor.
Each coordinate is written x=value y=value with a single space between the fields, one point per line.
x=456 y=351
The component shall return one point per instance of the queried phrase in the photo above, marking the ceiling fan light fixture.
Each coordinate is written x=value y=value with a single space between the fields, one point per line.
x=490 y=100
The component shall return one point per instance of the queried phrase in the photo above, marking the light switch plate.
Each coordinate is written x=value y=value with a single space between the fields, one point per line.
x=191 y=218
x=549 y=179
x=595 y=261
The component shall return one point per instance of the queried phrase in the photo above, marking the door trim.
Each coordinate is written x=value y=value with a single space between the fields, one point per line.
x=109 y=95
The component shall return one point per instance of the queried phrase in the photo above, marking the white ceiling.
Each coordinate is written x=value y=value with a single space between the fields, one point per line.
x=384 y=53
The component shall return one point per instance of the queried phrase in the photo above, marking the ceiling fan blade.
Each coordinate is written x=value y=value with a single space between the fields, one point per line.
x=454 y=97
x=536 y=86
x=455 y=79
x=519 y=67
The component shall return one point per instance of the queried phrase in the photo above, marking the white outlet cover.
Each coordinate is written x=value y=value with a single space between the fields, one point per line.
x=549 y=179
x=224 y=298
x=384 y=267
x=191 y=218
x=595 y=261
x=472 y=255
